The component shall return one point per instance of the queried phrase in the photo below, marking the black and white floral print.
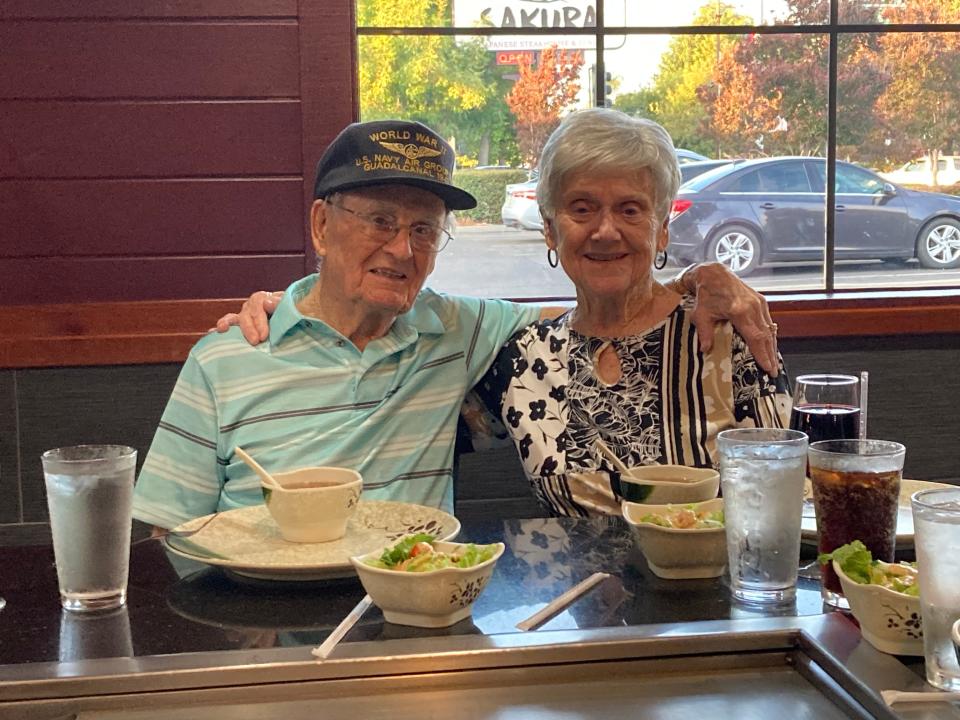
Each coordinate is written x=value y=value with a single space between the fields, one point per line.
x=554 y=405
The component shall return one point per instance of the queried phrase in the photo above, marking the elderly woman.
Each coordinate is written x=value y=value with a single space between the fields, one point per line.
x=625 y=365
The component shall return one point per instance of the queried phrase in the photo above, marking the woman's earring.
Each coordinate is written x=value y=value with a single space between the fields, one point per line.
x=552 y=258
x=660 y=262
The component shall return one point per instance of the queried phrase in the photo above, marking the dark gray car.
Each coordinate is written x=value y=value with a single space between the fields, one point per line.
x=752 y=212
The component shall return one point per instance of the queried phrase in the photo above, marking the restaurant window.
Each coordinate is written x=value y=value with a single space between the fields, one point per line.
x=765 y=100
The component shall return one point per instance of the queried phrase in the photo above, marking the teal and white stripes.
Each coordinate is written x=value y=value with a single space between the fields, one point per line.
x=309 y=397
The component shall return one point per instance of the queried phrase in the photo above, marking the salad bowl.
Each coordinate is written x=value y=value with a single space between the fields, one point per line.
x=676 y=551
x=425 y=594
x=889 y=620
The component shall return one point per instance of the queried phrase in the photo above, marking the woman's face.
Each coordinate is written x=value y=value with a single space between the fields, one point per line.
x=606 y=233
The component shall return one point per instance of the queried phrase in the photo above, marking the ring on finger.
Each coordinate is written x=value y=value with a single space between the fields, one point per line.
x=772 y=327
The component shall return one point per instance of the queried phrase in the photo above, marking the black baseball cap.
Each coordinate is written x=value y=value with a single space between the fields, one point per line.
x=384 y=152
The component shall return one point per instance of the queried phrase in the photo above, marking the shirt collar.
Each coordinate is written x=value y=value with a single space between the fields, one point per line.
x=422 y=319
x=286 y=316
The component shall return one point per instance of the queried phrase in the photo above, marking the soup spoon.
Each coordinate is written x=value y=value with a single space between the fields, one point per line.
x=265 y=477
x=609 y=455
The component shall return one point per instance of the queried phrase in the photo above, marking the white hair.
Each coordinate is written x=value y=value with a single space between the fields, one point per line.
x=601 y=139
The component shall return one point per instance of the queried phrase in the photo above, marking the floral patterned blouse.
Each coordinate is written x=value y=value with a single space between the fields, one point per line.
x=667 y=407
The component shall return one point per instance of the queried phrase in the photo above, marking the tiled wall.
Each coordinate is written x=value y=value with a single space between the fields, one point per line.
x=914 y=398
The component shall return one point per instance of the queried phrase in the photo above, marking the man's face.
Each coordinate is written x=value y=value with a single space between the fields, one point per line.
x=365 y=269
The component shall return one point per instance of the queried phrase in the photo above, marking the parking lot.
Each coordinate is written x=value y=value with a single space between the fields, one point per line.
x=496 y=261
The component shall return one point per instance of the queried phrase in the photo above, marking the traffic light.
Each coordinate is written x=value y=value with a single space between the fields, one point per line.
x=607 y=90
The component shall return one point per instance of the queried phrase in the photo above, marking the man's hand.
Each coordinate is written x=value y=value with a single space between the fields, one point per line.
x=721 y=295
x=253 y=317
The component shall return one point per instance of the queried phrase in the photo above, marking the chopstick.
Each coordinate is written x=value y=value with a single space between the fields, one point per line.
x=558 y=604
x=896 y=696
x=327 y=646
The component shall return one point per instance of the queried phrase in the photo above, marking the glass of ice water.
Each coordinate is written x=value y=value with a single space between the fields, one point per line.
x=762 y=472
x=936 y=528
x=90 y=498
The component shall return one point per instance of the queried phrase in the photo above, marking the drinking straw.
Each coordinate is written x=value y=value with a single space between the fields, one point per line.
x=560 y=603
x=863 y=405
x=342 y=629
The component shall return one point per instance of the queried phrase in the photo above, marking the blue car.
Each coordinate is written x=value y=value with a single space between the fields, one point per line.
x=752 y=212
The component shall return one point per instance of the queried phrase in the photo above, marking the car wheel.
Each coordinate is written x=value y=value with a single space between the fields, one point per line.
x=939 y=244
x=738 y=248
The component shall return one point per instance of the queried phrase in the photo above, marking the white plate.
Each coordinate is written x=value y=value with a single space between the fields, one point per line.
x=808 y=528
x=247 y=540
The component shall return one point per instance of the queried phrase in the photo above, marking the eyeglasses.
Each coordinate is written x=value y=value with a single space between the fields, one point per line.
x=424 y=236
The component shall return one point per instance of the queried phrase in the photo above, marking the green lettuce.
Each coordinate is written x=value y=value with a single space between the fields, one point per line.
x=853 y=558
x=401 y=551
x=858 y=564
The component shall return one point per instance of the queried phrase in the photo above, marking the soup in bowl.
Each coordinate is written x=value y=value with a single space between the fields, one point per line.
x=313 y=505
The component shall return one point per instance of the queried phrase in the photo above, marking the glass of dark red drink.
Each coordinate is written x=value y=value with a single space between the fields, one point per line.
x=825 y=407
x=856 y=492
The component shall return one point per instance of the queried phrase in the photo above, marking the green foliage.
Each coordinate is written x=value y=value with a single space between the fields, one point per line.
x=685 y=67
x=487 y=186
x=454 y=87
x=641 y=104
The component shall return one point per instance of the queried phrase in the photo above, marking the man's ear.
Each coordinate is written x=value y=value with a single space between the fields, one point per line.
x=318 y=226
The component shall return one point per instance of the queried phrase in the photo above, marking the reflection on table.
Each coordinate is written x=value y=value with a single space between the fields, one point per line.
x=180 y=606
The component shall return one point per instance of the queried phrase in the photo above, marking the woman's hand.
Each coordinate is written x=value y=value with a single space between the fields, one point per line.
x=253 y=317
x=721 y=295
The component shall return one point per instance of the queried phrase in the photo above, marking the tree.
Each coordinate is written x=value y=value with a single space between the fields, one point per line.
x=452 y=86
x=541 y=95
x=689 y=62
x=920 y=104
x=769 y=94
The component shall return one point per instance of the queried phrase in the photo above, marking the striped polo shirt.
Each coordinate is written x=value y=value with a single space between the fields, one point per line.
x=308 y=396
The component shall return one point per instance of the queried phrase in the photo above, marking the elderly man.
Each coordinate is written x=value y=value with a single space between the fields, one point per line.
x=363 y=367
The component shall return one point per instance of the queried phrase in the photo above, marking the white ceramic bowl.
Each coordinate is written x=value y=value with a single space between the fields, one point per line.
x=663 y=484
x=890 y=621
x=432 y=599
x=678 y=553
x=313 y=505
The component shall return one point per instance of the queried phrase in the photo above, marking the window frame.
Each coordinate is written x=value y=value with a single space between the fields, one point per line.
x=832 y=28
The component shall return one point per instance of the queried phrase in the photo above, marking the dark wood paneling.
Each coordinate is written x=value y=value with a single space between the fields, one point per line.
x=328 y=85
x=121 y=60
x=83 y=334
x=137 y=139
x=49 y=9
x=70 y=280
x=150 y=217
x=887 y=315
x=124 y=333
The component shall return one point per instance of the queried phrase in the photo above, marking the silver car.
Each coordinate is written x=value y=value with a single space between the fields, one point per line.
x=520 y=209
